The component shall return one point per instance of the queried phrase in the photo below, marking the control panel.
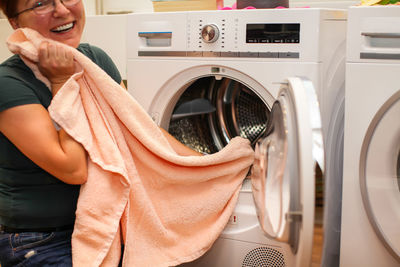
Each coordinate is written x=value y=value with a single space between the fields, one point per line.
x=283 y=34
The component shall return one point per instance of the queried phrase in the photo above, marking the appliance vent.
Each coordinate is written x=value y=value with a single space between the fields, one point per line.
x=264 y=257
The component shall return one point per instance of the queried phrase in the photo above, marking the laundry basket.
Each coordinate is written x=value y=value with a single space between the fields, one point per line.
x=185 y=5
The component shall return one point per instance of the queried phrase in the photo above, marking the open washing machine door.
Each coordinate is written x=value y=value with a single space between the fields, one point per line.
x=283 y=177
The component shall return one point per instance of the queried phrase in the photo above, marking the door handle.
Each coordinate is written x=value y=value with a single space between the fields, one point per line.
x=381 y=34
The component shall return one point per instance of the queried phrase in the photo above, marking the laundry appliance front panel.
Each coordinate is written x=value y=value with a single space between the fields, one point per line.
x=371 y=195
x=207 y=76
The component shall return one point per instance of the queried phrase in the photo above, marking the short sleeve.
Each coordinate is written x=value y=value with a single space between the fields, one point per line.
x=101 y=58
x=14 y=92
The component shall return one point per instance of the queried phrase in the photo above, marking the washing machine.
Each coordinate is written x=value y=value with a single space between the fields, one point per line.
x=371 y=185
x=207 y=76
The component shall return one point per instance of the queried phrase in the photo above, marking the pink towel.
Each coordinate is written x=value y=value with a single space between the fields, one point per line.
x=167 y=208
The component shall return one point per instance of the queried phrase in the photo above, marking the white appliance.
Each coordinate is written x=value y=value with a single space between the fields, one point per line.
x=371 y=196
x=207 y=76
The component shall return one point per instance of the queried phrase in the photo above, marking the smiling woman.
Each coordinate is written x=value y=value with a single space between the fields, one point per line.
x=41 y=166
x=60 y=21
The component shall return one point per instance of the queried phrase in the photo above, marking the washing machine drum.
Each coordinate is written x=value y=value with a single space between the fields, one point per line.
x=210 y=112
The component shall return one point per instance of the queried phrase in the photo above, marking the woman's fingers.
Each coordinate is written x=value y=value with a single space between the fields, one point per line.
x=69 y=56
x=55 y=62
x=52 y=51
x=43 y=51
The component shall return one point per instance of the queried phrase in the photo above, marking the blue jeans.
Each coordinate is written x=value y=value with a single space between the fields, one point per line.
x=36 y=249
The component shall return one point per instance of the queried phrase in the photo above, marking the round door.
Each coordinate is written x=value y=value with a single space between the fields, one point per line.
x=283 y=177
x=210 y=112
x=380 y=174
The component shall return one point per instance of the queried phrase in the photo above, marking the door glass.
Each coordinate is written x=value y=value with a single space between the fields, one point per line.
x=210 y=112
x=269 y=189
x=284 y=170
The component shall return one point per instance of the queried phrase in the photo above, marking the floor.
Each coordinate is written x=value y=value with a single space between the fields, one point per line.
x=318 y=238
x=317 y=248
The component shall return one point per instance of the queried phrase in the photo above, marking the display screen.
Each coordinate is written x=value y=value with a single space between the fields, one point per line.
x=273 y=33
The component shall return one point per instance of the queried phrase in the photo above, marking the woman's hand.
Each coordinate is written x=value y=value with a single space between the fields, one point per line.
x=56 y=63
x=30 y=128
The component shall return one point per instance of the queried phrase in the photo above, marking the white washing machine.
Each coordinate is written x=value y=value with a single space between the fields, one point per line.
x=371 y=196
x=207 y=76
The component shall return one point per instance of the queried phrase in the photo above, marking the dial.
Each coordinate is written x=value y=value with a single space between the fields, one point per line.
x=210 y=33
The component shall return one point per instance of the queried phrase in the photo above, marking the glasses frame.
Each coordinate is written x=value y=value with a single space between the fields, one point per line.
x=33 y=8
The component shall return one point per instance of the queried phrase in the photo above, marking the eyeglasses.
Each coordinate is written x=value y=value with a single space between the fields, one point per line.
x=43 y=7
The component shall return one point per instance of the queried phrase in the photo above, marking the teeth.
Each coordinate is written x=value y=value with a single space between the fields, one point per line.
x=63 y=27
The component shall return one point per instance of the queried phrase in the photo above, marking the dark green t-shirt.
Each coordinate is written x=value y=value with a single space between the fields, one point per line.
x=29 y=196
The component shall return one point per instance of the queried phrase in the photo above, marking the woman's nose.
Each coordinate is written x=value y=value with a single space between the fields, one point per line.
x=60 y=8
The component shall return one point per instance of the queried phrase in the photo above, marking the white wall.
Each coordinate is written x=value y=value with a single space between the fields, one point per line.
x=108 y=33
x=5 y=31
x=90 y=7
x=128 y=5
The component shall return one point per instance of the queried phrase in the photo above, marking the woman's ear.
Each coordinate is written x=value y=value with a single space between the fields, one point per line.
x=14 y=23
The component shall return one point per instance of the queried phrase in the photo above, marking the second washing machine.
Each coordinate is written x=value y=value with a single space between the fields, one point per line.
x=207 y=76
x=371 y=180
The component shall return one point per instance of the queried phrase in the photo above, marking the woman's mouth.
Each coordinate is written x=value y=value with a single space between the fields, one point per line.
x=63 y=28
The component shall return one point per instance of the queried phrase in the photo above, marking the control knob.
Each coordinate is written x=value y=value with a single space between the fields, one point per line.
x=210 y=33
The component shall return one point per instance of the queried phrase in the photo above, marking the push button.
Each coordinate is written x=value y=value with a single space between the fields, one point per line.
x=289 y=55
x=268 y=54
x=248 y=54
x=229 y=54
x=195 y=54
x=211 y=54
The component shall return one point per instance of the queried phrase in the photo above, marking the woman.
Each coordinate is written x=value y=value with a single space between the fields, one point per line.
x=41 y=167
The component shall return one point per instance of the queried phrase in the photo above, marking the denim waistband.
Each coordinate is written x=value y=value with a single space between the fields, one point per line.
x=7 y=229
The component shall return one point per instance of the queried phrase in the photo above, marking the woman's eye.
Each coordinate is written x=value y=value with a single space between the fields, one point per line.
x=38 y=4
x=41 y=3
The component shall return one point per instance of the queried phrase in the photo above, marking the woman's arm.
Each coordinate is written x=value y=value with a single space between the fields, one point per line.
x=31 y=130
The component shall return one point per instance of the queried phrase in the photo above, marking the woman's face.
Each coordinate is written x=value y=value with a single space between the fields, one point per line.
x=64 y=24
